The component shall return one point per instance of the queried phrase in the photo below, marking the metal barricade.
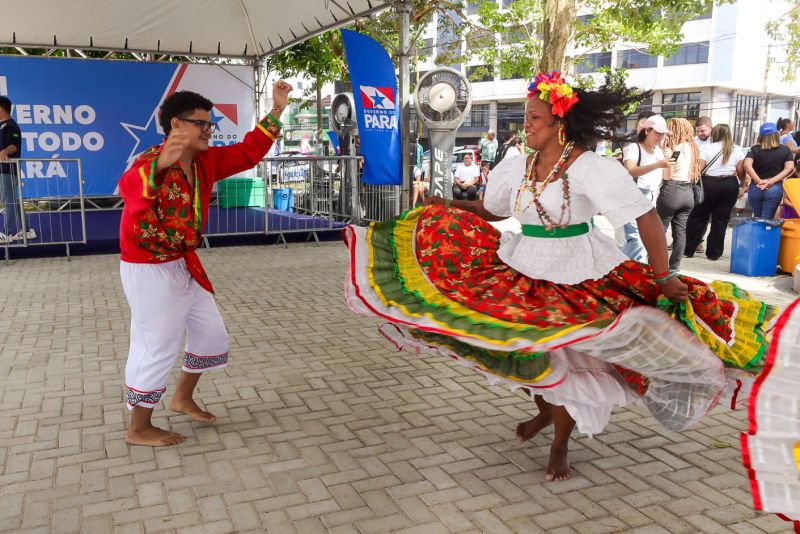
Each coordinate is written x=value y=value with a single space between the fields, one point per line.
x=237 y=208
x=312 y=193
x=43 y=203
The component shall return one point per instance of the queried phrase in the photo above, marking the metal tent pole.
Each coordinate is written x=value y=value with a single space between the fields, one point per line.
x=404 y=67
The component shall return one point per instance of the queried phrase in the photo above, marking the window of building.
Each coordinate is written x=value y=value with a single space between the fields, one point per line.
x=478 y=116
x=686 y=105
x=480 y=73
x=592 y=62
x=510 y=117
x=632 y=120
x=633 y=59
x=689 y=54
x=516 y=76
x=514 y=35
x=427 y=46
x=472 y=8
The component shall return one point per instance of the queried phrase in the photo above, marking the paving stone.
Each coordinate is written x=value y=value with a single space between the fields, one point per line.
x=322 y=426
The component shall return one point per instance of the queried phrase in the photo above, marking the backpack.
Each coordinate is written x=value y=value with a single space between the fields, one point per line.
x=501 y=152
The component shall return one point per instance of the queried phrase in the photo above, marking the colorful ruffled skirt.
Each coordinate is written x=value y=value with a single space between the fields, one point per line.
x=434 y=276
x=771 y=446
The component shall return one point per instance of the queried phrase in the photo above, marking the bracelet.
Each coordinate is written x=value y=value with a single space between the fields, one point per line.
x=660 y=275
x=448 y=202
x=278 y=124
x=666 y=279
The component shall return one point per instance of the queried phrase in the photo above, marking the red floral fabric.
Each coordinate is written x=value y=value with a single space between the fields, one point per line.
x=457 y=250
x=161 y=220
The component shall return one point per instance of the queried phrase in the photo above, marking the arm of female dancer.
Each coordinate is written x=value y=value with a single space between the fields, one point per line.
x=473 y=206
x=652 y=233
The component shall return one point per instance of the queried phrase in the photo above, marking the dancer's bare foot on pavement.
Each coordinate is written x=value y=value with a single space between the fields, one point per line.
x=558 y=466
x=153 y=437
x=527 y=430
x=191 y=409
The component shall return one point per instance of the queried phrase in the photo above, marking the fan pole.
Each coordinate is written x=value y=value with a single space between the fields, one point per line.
x=404 y=68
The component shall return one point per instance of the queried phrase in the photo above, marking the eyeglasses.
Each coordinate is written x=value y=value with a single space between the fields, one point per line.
x=203 y=125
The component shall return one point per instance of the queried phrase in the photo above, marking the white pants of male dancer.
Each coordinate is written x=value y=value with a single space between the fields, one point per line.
x=165 y=303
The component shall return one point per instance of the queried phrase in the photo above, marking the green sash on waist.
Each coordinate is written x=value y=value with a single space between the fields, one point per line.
x=535 y=230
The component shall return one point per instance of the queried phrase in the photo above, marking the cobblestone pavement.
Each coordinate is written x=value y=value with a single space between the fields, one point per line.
x=322 y=428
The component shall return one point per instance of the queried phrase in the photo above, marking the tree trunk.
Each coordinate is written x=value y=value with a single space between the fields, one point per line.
x=319 y=119
x=559 y=19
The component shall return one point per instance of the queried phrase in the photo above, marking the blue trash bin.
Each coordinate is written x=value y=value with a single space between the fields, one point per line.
x=283 y=198
x=755 y=247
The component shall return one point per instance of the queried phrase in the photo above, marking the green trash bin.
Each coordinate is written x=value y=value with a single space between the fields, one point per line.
x=238 y=192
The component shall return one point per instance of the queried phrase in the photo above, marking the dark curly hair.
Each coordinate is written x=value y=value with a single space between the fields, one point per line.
x=180 y=104
x=598 y=113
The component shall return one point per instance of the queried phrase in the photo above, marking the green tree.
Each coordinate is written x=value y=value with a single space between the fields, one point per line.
x=785 y=30
x=534 y=34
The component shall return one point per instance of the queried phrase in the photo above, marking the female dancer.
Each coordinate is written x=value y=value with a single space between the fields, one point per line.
x=558 y=309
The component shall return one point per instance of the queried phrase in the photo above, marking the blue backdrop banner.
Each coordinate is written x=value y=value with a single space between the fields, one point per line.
x=106 y=112
x=375 y=94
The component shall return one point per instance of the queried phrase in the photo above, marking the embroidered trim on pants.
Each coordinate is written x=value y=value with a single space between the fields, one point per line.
x=147 y=399
x=192 y=363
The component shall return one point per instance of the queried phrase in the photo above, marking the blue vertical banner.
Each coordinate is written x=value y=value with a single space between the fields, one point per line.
x=375 y=93
x=335 y=142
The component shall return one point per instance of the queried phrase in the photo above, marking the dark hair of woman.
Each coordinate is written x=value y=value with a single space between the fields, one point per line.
x=598 y=113
x=180 y=104
x=782 y=123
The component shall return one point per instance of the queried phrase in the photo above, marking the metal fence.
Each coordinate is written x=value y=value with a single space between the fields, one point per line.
x=299 y=194
x=43 y=203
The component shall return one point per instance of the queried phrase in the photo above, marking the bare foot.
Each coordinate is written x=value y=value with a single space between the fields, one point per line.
x=558 y=466
x=153 y=437
x=530 y=428
x=191 y=409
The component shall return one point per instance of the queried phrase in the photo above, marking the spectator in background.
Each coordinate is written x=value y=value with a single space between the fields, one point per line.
x=10 y=147
x=676 y=197
x=419 y=152
x=785 y=128
x=514 y=148
x=488 y=147
x=466 y=180
x=645 y=161
x=501 y=152
x=702 y=129
x=422 y=182
x=767 y=163
x=723 y=163
x=484 y=178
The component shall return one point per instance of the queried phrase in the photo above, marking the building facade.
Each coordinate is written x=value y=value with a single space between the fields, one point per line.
x=719 y=71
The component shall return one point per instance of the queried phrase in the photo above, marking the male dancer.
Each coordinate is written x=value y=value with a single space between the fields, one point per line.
x=166 y=194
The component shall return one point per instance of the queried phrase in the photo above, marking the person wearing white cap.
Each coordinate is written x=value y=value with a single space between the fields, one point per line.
x=645 y=161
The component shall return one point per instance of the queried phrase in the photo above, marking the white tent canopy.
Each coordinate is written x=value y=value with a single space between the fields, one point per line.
x=232 y=28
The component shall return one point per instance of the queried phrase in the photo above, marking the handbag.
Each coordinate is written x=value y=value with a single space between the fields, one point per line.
x=697 y=187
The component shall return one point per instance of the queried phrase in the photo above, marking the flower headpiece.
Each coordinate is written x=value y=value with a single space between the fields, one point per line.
x=554 y=89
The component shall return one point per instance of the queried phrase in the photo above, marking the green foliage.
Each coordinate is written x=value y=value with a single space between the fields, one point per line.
x=786 y=31
x=653 y=25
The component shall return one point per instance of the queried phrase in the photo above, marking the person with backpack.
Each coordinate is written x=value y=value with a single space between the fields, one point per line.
x=644 y=160
x=501 y=152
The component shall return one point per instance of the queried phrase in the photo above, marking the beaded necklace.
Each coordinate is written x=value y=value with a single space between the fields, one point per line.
x=537 y=188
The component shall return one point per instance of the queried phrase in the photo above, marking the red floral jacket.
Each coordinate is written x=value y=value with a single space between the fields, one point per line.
x=164 y=213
